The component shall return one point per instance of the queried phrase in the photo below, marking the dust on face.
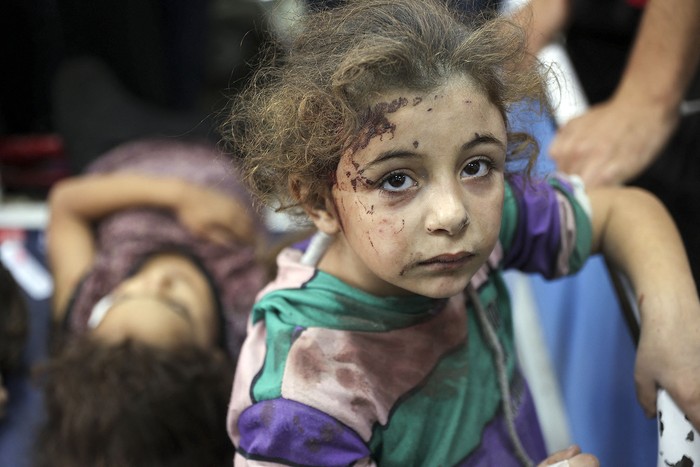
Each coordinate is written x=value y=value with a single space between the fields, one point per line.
x=419 y=193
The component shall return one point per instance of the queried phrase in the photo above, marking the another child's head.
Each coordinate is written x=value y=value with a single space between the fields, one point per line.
x=182 y=305
x=134 y=404
x=388 y=120
x=13 y=329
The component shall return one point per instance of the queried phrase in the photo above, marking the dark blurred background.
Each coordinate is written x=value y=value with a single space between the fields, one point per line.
x=80 y=76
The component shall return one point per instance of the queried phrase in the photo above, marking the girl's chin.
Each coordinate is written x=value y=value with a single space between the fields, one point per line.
x=440 y=290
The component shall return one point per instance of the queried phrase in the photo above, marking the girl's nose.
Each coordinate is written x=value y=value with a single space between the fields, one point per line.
x=158 y=282
x=448 y=212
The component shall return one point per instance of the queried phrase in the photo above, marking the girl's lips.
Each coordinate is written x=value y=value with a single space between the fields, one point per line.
x=448 y=261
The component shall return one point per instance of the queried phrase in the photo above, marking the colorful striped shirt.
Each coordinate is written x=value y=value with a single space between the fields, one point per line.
x=331 y=376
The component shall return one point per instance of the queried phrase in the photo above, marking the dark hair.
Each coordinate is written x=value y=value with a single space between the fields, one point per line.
x=308 y=106
x=13 y=322
x=131 y=404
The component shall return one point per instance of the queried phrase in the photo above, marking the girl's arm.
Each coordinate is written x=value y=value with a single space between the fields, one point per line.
x=634 y=231
x=76 y=203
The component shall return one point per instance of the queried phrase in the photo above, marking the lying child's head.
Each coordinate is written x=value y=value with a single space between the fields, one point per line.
x=388 y=119
x=182 y=305
x=134 y=404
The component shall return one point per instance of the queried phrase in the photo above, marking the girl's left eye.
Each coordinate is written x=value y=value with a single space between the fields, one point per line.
x=397 y=182
x=476 y=168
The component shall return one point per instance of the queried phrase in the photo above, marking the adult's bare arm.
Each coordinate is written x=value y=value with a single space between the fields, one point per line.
x=542 y=21
x=617 y=140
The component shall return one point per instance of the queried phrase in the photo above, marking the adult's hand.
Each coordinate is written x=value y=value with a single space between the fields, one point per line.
x=613 y=142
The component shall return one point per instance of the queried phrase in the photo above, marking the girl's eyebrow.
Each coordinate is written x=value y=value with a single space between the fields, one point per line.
x=485 y=138
x=394 y=154
x=479 y=138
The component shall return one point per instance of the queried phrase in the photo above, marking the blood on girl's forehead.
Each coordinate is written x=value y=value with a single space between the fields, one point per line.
x=377 y=123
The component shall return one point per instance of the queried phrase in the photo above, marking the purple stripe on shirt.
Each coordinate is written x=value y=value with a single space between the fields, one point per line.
x=283 y=429
x=536 y=242
x=302 y=245
x=496 y=446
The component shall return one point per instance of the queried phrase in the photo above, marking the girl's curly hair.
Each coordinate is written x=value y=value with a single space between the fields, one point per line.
x=306 y=106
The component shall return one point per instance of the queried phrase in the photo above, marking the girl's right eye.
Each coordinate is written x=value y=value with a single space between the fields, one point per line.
x=396 y=182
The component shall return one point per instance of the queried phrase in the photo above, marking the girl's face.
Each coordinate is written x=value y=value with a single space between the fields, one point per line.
x=416 y=207
x=168 y=301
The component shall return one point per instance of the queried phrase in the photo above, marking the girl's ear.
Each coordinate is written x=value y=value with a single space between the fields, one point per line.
x=324 y=216
x=320 y=209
